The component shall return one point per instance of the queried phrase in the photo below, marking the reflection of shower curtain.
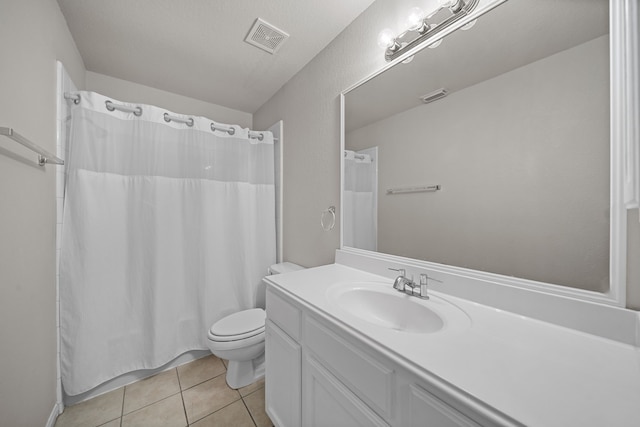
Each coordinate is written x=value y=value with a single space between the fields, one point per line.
x=167 y=228
x=360 y=199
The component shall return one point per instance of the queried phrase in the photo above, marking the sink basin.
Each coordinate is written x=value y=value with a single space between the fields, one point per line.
x=393 y=311
x=379 y=304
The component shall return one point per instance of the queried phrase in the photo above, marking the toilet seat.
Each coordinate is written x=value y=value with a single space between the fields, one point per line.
x=238 y=326
x=235 y=344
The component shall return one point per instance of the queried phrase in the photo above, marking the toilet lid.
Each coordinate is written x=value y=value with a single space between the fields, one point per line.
x=240 y=323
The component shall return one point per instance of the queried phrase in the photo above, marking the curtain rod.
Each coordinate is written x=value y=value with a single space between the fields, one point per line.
x=253 y=134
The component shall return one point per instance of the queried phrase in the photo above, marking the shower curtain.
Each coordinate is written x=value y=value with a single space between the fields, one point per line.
x=167 y=228
x=360 y=199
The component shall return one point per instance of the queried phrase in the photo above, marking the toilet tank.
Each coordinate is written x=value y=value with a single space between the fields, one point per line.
x=284 y=267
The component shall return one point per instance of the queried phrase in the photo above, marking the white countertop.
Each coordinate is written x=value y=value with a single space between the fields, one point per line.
x=535 y=372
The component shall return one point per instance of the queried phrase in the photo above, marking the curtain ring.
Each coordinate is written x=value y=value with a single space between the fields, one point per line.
x=109 y=105
x=138 y=112
x=330 y=210
x=230 y=131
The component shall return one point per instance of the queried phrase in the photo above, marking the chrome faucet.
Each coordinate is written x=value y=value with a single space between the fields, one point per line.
x=409 y=287
x=401 y=282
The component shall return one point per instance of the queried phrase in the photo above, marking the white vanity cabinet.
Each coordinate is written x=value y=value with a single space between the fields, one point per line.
x=318 y=374
x=283 y=363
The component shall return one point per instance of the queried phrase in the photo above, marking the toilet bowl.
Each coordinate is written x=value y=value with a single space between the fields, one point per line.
x=239 y=338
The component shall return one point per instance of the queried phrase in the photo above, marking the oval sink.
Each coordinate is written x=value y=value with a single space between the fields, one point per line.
x=377 y=303
x=389 y=310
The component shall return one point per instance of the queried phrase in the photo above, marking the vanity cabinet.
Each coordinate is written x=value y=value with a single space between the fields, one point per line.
x=317 y=374
x=283 y=364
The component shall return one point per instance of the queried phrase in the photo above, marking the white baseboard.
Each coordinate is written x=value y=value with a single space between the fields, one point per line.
x=57 y=410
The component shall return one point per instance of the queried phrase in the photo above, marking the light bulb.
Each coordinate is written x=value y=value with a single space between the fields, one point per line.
x=453 y=5
x=414 y=18
x=386 y=38
x=469 y=25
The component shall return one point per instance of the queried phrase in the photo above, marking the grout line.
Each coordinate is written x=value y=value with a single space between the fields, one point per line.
x=184 y=406
x=124 y=392
x=250 y=414
x=218 y=410
x=151 y=404
x=200 y=383
x=184 y=410
x=262 y=389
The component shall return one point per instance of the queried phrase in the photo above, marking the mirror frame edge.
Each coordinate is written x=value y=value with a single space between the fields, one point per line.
x=624 y=159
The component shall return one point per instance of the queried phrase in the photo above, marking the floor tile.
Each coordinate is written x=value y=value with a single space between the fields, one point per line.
x=251 y=388
x=255 y=403
x=208 y=397
x=234 y=415
x=165 y=413
x=150 y=390
x=114 y=423
x=94 y=412
x=199 y=371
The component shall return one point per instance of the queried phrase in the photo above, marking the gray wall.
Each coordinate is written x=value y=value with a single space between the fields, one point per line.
x=523 y=160
x=33 y=34
x=309 y=106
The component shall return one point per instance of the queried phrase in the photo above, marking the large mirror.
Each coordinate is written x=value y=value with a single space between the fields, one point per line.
x=509 y=172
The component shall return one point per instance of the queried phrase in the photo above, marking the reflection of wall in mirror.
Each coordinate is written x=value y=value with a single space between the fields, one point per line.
x=523 y=160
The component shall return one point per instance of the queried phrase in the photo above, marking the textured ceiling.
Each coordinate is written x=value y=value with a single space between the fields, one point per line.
x=196 y=48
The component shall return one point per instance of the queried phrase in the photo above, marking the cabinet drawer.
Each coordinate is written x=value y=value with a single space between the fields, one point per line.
x=365 y=376
x=283 y=314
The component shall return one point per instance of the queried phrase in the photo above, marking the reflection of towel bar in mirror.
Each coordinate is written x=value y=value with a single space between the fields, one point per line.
x=423 y=189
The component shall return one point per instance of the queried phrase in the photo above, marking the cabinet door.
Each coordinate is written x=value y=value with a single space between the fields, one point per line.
x=327 y=402
x=426 y=410
x=283 y=382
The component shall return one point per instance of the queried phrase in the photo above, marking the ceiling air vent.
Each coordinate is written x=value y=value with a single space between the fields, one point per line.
x=265 y=36
x=434 y=96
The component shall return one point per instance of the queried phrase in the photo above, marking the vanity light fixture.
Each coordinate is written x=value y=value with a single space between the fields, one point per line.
x=418 y=27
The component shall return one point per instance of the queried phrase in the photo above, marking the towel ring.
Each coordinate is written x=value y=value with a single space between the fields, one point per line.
x=330 y=210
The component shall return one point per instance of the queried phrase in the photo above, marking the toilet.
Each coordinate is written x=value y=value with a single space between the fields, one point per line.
x=239 y=338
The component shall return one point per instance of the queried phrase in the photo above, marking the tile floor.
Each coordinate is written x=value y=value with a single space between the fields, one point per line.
x=194 y=394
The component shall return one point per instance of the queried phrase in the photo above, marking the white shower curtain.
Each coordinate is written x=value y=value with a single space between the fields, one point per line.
x=360 y=199
x=166 y=229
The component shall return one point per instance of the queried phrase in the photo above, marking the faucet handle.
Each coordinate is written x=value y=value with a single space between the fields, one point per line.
x=402 y=271
x=399 y=283
x=424 y=278
x=424 y=281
